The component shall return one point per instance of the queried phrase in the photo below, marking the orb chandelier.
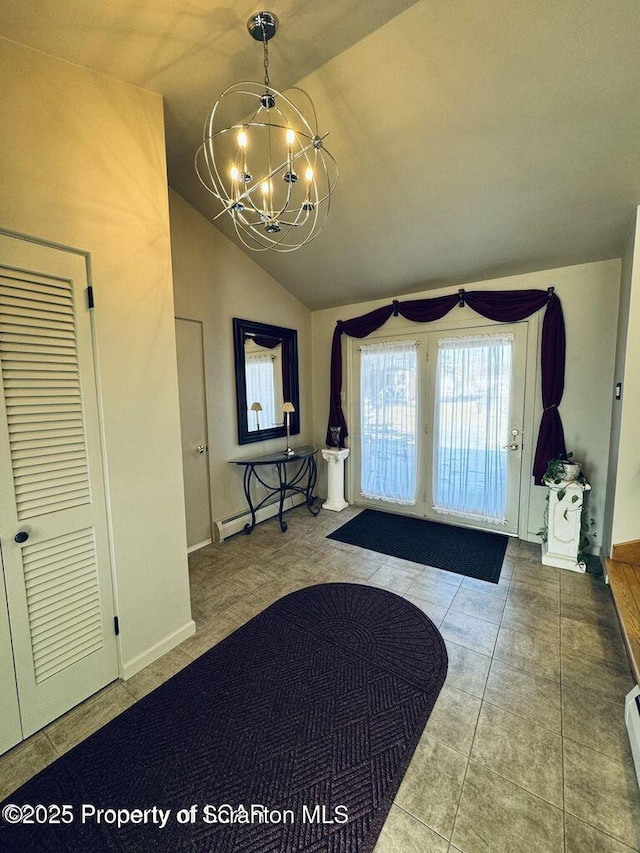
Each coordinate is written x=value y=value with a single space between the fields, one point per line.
x=265 y=161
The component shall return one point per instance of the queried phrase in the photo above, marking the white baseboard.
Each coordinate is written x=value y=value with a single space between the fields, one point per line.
x=225 y=527
x=199 y=545
x=150 y=655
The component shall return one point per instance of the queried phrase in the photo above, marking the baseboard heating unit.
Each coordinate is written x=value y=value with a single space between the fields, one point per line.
x=229 y=526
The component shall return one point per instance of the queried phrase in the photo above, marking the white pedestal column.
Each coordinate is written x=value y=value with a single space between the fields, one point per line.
x=563 y=527
x=335 y=478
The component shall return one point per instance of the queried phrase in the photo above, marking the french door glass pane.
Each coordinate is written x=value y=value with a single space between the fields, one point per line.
x=260 y=385
x=388 y=421
x=471 y=426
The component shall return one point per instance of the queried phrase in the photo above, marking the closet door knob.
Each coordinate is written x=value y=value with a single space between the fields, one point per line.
x=21 y=537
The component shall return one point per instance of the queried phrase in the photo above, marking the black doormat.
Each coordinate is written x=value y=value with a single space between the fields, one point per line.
x=473 y=553
x=292 y=734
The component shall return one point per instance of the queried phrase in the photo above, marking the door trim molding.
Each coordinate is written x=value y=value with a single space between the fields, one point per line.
x=49 y=244
x=207 y=419
x=86 y=256
x=73 y=267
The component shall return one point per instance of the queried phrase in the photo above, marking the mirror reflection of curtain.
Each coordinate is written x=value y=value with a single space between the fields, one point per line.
x=388 y=421
x=473 y=389
x=260 y=381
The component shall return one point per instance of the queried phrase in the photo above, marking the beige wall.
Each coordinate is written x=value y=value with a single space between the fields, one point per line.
x=622 y=511
x=589 y=295
x=82 y=161
x=215 y=281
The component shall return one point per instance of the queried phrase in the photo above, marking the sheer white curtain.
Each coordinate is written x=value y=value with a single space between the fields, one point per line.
x=472 y=410
x=388 y=421
x=260 y=381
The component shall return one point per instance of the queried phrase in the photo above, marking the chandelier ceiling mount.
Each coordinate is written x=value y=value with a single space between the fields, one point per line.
x=263 y=26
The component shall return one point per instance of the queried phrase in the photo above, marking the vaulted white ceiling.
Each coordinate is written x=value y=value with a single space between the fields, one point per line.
x=473 y=139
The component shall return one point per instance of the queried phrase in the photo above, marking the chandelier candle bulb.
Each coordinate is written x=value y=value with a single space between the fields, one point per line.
x=272 y=225
x=308 y=205
x=235 y=189
x=266 y=199
x=245 y=175
x=290 y=176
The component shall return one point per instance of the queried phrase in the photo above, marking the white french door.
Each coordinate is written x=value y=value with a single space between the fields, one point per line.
x=440 y=426
x=53 y=521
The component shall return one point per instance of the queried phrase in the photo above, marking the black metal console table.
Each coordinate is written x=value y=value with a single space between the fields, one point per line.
x=300 y=479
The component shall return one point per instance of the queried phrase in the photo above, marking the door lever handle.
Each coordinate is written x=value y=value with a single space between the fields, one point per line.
x=513 y=446
x=201 y=448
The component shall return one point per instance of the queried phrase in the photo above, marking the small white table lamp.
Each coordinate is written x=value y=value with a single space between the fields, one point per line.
x=287 y=409
x=256 y=407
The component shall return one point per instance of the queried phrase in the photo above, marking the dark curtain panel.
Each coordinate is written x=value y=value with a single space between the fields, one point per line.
x=552 y=358
x=359 y=327
x=507 y=306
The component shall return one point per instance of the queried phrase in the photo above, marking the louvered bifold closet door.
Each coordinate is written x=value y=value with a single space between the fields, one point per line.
x=41 y=382
x=58 y=579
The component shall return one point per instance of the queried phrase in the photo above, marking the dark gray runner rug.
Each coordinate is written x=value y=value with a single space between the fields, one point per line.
x=297 y=729
x=474 y=553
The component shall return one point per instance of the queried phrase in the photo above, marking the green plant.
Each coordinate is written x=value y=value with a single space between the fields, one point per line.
x=587 y=533
x=542 y=533
x=555 y=469
x=554 y=474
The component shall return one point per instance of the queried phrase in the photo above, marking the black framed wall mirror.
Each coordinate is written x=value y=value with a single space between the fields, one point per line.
x=266 y=361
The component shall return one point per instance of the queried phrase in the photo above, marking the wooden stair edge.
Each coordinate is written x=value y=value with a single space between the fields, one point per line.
x=627 y=552
x=624 y=582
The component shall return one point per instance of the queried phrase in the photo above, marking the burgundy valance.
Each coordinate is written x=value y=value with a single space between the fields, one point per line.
x=503 y=306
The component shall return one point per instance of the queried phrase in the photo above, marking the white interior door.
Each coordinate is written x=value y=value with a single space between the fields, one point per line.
x=439 y=424
x=53 y=520
x=193 y=425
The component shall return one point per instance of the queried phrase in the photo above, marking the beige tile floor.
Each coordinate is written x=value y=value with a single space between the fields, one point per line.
x=526 y=748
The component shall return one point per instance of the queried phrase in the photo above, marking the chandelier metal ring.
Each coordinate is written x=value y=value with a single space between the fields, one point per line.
x=266 y=163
